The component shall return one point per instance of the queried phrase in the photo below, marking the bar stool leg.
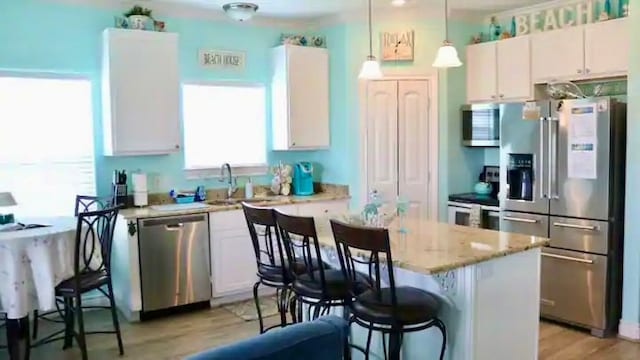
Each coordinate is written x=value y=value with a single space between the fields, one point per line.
x=440 y=325
x=394 y=344
x=257 y=301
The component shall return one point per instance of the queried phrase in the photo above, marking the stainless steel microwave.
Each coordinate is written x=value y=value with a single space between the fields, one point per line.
x=481 y=125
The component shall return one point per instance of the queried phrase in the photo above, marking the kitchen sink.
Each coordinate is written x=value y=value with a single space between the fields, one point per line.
x=238 y=201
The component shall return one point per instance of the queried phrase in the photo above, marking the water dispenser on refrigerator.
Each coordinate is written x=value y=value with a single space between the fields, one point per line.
x=520 y=174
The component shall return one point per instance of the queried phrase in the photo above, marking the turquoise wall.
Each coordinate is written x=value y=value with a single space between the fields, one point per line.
x=458 y=166
x=47 y=37
x=631 y=284
x=40 y=36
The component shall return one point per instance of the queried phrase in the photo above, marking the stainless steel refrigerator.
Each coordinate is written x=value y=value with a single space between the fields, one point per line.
x=562 y=177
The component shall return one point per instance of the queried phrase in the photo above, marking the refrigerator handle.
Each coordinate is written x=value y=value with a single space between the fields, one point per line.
x=553 y=158
x=543 y=193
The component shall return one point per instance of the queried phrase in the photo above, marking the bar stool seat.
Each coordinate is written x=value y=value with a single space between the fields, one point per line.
x=414 y=307
x=337 y=286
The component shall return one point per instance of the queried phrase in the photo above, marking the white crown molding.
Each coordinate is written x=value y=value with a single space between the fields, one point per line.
x=629 y=330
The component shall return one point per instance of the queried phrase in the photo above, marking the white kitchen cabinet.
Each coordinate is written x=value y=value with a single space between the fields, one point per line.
x=607 y=48
x=499 y=71
x=557 y=54
x=514 y=69
x=323 y=208
x=300 y=98
x=140 y=92
x=482 y=72
x=233 y=263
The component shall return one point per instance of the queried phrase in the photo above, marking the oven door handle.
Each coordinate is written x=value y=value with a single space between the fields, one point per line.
x=576 y=226
x=520 y=220
x=568 y=258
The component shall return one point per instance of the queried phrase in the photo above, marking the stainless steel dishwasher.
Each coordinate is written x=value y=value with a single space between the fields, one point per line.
x=174 y=261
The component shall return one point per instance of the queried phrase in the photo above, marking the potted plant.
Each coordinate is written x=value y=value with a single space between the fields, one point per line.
x=138 y=17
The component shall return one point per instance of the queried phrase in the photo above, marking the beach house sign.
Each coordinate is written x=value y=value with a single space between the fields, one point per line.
x=221 y=59
x=559 y=17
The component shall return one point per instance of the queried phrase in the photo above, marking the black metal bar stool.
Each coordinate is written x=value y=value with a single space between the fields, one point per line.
x=315 y=285
x=84 y=203
x=271 y=259
x=390 y=310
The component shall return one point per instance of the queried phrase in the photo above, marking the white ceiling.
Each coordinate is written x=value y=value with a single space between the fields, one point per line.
x=318 y=8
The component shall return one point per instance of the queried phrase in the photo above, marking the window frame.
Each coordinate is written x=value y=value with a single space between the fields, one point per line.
x=214 y=171
x=62 y=75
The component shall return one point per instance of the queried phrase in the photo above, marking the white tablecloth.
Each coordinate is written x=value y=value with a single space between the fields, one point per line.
x=33 y=262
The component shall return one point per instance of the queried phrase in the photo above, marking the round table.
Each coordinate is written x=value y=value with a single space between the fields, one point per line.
x=32 y=263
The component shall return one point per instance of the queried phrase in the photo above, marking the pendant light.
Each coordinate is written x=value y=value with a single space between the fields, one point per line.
x=447 y=54
x=371 y=67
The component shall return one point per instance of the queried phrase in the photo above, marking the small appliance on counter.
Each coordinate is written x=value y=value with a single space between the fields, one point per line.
x=140 y=190
x=120 y=188
x=303 y=178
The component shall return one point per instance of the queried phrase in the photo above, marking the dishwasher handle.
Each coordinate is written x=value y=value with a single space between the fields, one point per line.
x=173 y=222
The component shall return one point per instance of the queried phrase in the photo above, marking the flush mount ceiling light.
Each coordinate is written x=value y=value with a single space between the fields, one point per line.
x=240 y=11
x=371 y=67
x=447 y=54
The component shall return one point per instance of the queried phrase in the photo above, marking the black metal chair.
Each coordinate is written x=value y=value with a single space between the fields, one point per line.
x=390 y=310
x=92 y=271
x=272 y=260
x=317 y=285
x=84 y=203
x=3 y=324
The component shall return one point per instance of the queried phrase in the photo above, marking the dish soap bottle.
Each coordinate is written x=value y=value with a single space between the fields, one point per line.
x=248 y=189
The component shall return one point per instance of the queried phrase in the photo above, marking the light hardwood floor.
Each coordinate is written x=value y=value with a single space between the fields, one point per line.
x=178 y=336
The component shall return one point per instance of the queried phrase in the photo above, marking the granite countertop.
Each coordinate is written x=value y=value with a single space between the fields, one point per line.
x=149 y=212
x=432 y=247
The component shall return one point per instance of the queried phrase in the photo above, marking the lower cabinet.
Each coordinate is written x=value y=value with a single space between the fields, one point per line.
x=233 y=263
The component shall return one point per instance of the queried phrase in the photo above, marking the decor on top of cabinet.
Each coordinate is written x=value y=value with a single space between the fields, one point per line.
x=494 y=29
x=282 y=178
x=397 y=46
x=303 y=40
x=139 y=18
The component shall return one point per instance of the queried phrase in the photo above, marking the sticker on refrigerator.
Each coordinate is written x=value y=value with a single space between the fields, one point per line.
x=583 y=142
x=531 y=111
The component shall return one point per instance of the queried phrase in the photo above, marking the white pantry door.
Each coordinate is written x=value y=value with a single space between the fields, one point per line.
x=382 y=139
x=398 y=142
x=413 y=145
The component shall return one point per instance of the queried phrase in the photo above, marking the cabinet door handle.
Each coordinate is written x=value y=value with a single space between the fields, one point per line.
x=493 y=96
x=568 y=258
x=521 y=220
x=547 y=302
x=576 y=226
x=501 y=96
x=588 y=71
x=579 y=71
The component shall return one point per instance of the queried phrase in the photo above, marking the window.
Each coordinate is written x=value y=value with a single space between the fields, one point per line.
x=46 y=143
x=224 y=123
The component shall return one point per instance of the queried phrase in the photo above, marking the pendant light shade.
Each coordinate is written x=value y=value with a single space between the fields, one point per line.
x=371 y=67
x=447 y=54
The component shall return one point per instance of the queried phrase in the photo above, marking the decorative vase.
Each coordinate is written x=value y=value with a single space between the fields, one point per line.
x=138 y=22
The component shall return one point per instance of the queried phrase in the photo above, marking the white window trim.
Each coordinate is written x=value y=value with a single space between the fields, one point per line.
x=237 y=170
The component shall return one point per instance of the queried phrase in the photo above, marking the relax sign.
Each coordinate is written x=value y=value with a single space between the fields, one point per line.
x=555 y=18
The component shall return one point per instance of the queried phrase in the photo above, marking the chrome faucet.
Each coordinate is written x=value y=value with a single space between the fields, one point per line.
x=231 y=181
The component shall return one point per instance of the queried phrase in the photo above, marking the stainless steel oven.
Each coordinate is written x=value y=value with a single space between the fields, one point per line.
x=481 y=125
x=462 y=214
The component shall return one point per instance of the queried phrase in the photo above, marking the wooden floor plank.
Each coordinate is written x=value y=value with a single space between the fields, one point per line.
x=180 y=335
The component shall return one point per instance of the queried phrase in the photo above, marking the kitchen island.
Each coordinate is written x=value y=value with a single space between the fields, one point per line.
x=488 y=283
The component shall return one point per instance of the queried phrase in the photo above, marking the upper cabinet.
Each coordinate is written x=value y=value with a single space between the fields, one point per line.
x=557 y=54
x=606 y=47
x=499 y=71
x=140 y=90
x=482 y=72
x=514 y=69
x=583 y=52
x=300 y=98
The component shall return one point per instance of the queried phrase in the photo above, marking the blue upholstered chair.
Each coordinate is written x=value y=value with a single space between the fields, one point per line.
x=322 y=339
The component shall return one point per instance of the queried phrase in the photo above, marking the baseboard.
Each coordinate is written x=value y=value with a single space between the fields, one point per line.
x=629 y=331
